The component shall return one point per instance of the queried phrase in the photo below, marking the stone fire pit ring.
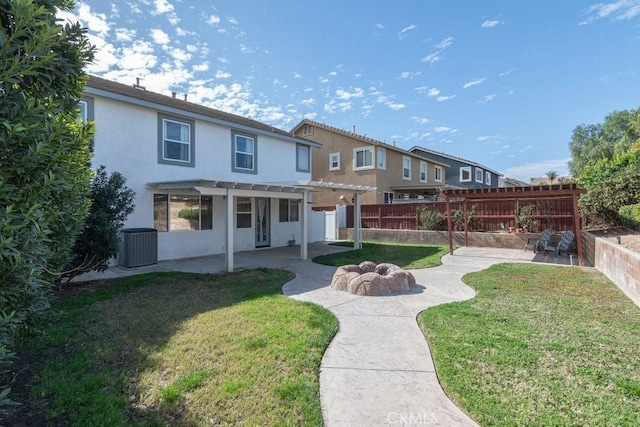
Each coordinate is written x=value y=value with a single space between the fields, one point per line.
x=369 y=278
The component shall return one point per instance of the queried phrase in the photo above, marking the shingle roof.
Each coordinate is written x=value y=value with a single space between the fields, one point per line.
x=449 y=156
x=177 y=103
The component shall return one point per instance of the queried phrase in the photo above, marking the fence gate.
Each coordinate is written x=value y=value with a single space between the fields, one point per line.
x=330 y=225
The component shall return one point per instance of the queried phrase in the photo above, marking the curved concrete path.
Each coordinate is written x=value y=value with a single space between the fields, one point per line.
x=378 y=369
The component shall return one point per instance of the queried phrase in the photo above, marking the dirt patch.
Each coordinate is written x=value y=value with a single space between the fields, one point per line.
x=630 y=239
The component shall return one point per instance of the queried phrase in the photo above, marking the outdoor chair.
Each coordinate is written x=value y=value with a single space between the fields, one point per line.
x=541 y=242
x=563 y=245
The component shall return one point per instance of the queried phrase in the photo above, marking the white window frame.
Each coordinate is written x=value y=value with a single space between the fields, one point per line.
x=437 y=169
x=464 y=169
x=166 y=139
x=480 y=175
x=303 y=154
x=387 y=196
x=406 y=170
x=337 y=157
x=364 y=150
x=487 y=177
x=254 y=154
x=84 y=110
x=381 y=158
x=423 y=171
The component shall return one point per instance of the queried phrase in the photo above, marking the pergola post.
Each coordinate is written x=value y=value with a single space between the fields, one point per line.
x=228 y=254
x=449 y=228
x=304 y=225
x=576 y=222
x=357 y=243
x=466 y=239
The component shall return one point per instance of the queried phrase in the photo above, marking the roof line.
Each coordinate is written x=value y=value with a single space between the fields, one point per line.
x=449 y=156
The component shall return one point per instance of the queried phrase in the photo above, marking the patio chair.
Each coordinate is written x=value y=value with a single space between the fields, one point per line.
x=563 y=245
x=540 y=242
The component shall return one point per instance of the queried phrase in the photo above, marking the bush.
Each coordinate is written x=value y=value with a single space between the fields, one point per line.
x=526 y=219
x=457 y=217
x=630 y=216
x=111 y=204
x=430 y=219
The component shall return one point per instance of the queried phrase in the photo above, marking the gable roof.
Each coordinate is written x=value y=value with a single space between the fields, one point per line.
x=449 y=156
x=362 y=138
x=135 y=94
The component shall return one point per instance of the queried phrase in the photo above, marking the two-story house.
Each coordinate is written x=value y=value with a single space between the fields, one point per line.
x=349 y=158
x=210 y=182
x=461 y=173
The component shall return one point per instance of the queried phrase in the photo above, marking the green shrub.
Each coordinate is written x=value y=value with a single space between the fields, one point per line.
x=457 y=217
x=192 y=214
x=630 y=216
x=429 y=219
x=526 y=219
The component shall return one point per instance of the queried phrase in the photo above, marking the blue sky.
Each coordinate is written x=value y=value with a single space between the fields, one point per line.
x=502 y=83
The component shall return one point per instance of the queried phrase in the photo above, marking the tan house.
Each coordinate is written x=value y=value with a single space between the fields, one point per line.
x=349 y=158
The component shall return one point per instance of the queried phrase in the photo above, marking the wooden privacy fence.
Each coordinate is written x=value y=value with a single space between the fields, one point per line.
x=488 y=215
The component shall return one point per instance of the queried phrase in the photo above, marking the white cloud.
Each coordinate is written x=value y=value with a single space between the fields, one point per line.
x=506 y=73
x=396 y=106
x=212 y=20
x=222 y=74
x=442 y=129
x=379 y=26
x=223 y=60
x=246 y=49
x=444 y=43
x=96 y=22
x=403 y=33
x=159 y=36
x=125 y=34
x=432 y=58
x=420 y=120
x=297 y=76
x=619 y=10
x=488 y=98
x=473 y=82
x=232 y=21
x=308 y=102
x=537 y=169
x=333 y=73
x=486 y=137
x=345 y=95
x=444 y=98
x=201 y=67
x=409 y=74
x=161 y=6
x=490 y=24
x=433 y=92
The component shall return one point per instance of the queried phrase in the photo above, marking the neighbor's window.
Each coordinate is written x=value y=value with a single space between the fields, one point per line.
x=245 y=153
x=437 y=173
x=406 y=167
x=465 y=174
x=289 y=210
x=388 y=197
x=182 y=212
x=479 y=175
x=423 y=171
x=382 y=158
x=307 y=130
x=243 y=212
x=176 y=141
x=363 y=158
x=487 y=179
x=303 y=158
x=334 y=161
x=86 y=109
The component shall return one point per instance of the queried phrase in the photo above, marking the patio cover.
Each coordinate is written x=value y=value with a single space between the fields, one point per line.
x=279 y=190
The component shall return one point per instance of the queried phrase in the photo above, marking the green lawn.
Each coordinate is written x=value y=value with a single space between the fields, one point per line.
x=403 y=255
x=179 y=349
x=539 y=345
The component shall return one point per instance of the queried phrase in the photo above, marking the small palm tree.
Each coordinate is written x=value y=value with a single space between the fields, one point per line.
x=552 y=175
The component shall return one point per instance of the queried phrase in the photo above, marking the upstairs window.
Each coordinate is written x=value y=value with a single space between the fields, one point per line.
x=465 y=174
x=176 y=141
x=303 y=161
x=406 y=168
x=479 y=175
x=423 y=171
x=382 y=158
x=363 y=158
x=487 y=179
x=334 y=161
x=437 y=173
x=245 y=153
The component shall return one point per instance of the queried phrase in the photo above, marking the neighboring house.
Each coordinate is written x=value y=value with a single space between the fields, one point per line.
x=349 y=158
x=210 y=182
x=546 y=181
x=511 y=182
x=462 y=173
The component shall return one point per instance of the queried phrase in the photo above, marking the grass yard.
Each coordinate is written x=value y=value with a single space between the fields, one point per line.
x=539 y=345
x=403 y=255
x=178 y=349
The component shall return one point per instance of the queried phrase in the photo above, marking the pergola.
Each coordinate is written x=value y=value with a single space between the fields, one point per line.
x=549 y=192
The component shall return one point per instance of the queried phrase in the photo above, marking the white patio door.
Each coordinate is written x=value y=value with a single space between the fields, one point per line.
x=262 y=223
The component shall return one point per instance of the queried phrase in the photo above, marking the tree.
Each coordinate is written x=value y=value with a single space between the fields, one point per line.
x=552 y=175
x=111 y=204
x=44 y=157
x=592 y=143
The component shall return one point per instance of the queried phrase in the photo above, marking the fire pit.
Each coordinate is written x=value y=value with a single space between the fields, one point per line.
x=370 y=279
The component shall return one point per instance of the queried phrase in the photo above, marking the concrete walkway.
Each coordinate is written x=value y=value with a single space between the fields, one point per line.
x=378 y=369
